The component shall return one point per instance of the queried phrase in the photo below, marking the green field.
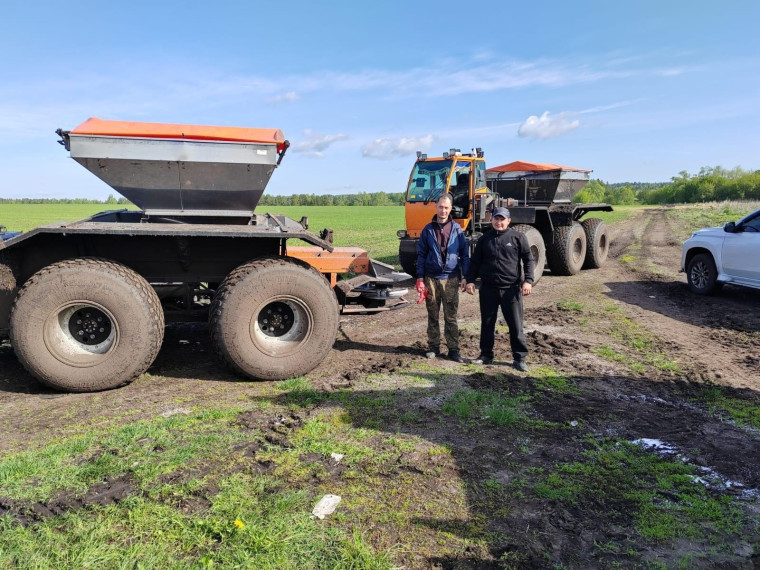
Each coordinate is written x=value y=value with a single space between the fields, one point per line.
x=370 y=227
x=24 y=217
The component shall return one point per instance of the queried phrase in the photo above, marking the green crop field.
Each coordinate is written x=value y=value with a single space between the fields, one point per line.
x=370 y=227
x=24 y=217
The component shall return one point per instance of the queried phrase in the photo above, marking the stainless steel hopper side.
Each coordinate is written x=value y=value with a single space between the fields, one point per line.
x=550 y=187
x=180 y=176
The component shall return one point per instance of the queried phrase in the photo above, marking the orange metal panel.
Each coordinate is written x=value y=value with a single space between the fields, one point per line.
x=419 y=214
x=340 y=260
x=520 y=166
x=101 y=127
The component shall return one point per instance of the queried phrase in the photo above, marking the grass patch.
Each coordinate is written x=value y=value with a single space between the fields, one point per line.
x=501 y=410
x=646 y=346
x=627 y=258
x=145 y=449
x=615 y=477
x=240 y=519
x=619 y=213
x=547 y=379
x=744 y=412
x=570 y=306
x=709 y=214
x=250 y=523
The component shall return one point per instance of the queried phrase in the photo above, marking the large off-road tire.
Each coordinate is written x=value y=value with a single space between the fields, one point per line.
x=597 y=243
x=567 y=252
x=702 y=275
x=86 y=324
x=537 y=248
x=273 y=318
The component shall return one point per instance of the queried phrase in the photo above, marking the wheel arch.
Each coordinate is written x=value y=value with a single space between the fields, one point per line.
x=694 y=251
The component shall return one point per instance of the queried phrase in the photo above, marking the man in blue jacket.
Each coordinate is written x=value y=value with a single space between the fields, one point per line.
x=496 y=260
x=443 y=259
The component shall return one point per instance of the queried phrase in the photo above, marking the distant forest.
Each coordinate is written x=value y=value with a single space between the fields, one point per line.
x=110 y=200
x=711 y=183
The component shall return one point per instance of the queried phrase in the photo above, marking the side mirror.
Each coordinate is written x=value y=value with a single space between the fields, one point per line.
x=729 y=227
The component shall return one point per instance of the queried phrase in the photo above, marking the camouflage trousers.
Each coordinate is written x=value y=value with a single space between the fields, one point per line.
x=442 y=292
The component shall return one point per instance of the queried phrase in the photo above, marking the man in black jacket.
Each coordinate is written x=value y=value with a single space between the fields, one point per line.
x=496 y=260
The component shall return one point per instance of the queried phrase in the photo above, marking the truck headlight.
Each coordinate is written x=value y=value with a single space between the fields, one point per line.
x=401 y=234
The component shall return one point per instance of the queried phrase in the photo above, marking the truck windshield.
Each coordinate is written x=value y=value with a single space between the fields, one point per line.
x=428 y=180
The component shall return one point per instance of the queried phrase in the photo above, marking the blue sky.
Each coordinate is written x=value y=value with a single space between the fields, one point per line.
x=633 y=90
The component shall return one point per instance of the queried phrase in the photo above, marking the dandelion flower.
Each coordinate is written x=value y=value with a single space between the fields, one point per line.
x=240 y=524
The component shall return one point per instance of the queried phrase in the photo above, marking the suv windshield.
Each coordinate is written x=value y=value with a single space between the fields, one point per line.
x=428 y=180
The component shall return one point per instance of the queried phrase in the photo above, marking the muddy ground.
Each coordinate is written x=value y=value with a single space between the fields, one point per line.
x=713 y=340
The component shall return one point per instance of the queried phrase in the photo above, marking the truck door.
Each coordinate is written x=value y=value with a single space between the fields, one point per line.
x=459 y=188
x=741 y=252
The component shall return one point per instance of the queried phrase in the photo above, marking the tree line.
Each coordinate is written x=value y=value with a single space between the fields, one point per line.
x=711 y=183
x=360 y=199
x=110 y=200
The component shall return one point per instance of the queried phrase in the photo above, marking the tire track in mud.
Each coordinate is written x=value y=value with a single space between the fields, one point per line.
x=716 y=337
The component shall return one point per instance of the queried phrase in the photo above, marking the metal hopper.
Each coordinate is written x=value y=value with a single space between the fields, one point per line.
x=537 y=183
x=187 y=170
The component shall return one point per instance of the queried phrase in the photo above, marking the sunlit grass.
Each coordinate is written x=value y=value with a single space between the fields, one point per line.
x=691 y=217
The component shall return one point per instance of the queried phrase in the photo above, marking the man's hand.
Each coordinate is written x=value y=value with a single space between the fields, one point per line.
x=527 y=288
x=421 y=291
x=470 y=287
x=463 y=284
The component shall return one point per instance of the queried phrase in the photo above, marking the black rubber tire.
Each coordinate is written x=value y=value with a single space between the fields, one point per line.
x=537 y=248
x=597 y=243
x=58 y=296
x=300 y=301
x=408 y=262
x=702 y=275
x=567 y=252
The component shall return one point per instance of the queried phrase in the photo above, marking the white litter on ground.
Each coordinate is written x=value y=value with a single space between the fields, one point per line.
x=710 y=478
x=656 y=445
x=325 y=506
x=337 y=456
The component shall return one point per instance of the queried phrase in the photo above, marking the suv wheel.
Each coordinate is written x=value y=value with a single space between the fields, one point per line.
x=702 y=275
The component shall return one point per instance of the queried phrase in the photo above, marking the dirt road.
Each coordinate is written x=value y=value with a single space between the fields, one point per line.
x=640 y=349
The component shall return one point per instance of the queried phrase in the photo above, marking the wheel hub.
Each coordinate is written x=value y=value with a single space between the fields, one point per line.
x=699 y=275
x=276 y=319
x=89 y=326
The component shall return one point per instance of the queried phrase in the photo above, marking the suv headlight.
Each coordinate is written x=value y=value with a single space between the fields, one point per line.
x=401 y=234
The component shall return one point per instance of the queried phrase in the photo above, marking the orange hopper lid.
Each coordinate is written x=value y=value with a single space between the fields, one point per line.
x=102 y=127
x=520 y=166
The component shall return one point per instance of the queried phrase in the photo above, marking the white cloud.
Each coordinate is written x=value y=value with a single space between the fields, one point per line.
x=314 y=144
x=288 y=97
x=547 y=126
x=391 y=148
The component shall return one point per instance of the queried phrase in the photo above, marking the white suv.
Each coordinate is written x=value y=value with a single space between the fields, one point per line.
x=731 y=254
